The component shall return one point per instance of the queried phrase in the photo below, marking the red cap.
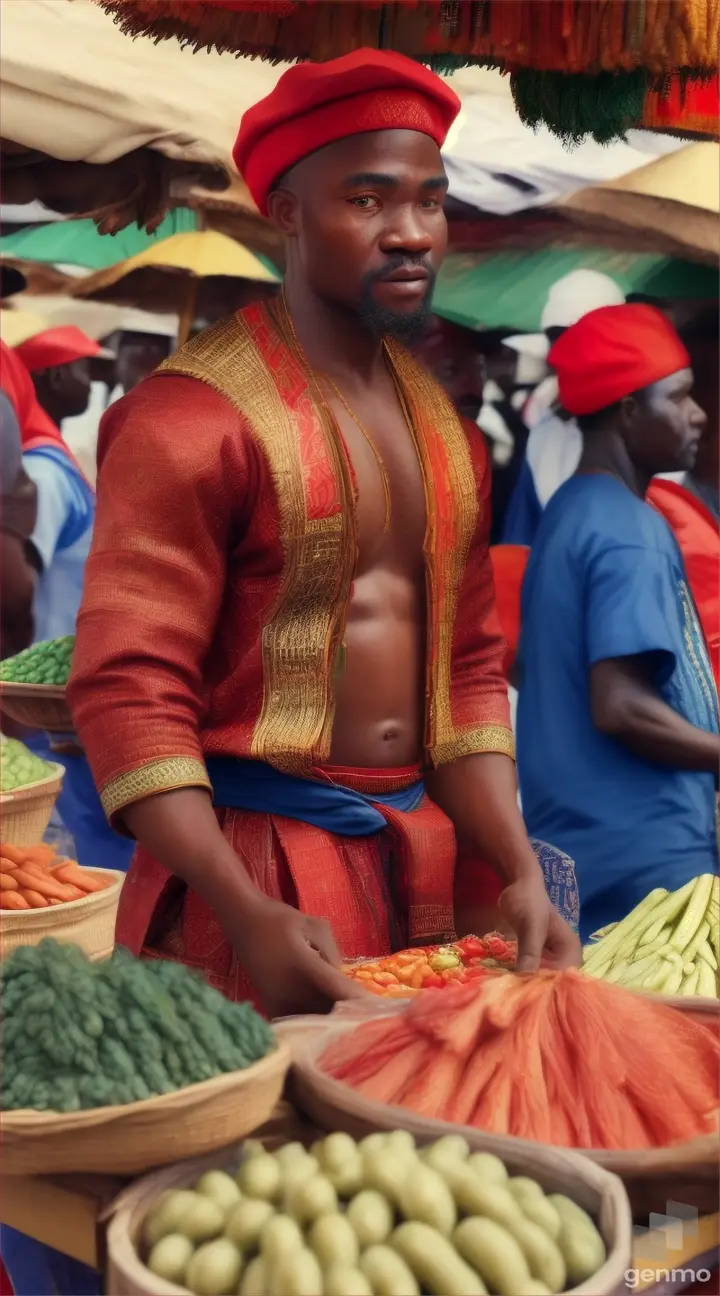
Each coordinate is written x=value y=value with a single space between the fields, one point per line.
x=57 y=346
x=314 y=104
x=613 y=352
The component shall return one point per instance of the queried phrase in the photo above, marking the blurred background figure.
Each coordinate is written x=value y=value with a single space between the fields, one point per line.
x=18 y=511
x=690 y=501
x=58 y=361
x=138 y=354
x=554 y=443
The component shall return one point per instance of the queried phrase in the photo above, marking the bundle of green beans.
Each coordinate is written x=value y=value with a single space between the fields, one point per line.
x=669 y=943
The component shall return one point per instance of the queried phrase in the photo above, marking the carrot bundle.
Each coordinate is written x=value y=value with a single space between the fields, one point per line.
x=558 y=1058
x=34 y=877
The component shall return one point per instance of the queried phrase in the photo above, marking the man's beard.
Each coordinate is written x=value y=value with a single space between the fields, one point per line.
x=403 y=325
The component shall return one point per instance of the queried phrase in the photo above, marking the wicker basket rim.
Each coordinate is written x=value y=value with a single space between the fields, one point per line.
x=28 y=790
x=15 y=689
x=108 y=893
x=26 y=1123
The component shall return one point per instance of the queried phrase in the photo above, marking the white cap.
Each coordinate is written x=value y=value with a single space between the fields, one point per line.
x=534 y=345
x=576 y=294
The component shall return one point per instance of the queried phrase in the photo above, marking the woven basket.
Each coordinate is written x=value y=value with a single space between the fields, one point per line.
x=89 y=923
x=139 y=1136
x=37 y=706
x=127 y=1275
x=558 y=1171
x=25 y=812
x=686 y=1173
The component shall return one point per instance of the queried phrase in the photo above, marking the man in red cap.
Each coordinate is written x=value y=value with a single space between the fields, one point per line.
x=618 y=744
x=289 y=606
x=56 y=362
x=690 y=501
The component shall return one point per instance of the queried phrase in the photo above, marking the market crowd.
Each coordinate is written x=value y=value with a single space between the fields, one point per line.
x=347 y=561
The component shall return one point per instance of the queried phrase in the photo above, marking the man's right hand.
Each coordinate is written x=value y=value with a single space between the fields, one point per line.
x=291 y=959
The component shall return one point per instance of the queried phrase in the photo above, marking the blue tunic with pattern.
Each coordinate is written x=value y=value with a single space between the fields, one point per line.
x=605 y=580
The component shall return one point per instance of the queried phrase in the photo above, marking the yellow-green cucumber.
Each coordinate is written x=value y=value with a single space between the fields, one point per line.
x=707 y=986
x=435 y=1262
x=694 y=912
x=580 y=1242
x=494 y=1253
x=636 y=922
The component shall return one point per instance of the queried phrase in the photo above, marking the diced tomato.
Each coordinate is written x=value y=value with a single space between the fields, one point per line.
x=472 y=947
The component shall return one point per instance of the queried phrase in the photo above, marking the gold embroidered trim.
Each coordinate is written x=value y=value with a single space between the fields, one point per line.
x=485 y=738
x=433 y=415
x=303 y=633
x=163 y=775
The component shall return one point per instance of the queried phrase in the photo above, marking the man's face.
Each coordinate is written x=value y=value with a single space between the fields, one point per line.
x=366 y=228
x=451 y=355
x=138 y=357
x=665 y=425
x=72 y=387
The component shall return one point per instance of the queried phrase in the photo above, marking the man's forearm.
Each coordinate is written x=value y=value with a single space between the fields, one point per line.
x=479 y=794
x=628 y=708
x=180 y=831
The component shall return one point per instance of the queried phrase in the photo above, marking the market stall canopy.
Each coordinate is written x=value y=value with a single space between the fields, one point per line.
x=583 y=67
x=509 y=289
x=96 y=319
x=498 y=164
x=152 y=122
x=172 y=275
x=16 y=326
x=79 y=243
x=201 y=255
x=677 y=196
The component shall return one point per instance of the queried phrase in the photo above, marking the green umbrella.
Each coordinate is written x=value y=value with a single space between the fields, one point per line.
x=493 y=290
x=78 y=242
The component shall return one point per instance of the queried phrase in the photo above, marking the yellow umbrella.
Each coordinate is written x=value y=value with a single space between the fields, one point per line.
x=166 y=277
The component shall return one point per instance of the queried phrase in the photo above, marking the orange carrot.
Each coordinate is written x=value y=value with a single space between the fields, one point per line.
x=389 y=1081
x=15 y=854
x=7 y=866
x=40 y=854
x=544 y=1058
x=53 y=901
x=47 y=886
x=75 y=876
x=12 y=900
x=34 y=899
x=8 y=882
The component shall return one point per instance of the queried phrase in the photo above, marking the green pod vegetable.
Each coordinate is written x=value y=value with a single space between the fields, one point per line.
x=580 y=1242
x=435 y=1262
x=387 y=1272
x=334 y=1241
x=371 y=1216
x=214 y=1269
x=494 y=1253
x=170 y=1258
x=534 y=1205
x=543 y=1255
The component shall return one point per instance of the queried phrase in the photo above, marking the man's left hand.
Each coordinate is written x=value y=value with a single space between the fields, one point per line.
x=542 y=935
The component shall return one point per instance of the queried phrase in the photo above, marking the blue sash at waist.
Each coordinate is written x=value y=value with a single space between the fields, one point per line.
x=254 y=785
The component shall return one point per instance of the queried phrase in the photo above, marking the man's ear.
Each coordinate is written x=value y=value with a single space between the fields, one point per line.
x=283 y=211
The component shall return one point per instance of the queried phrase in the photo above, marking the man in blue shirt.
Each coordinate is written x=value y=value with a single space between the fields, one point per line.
x=617 y=741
